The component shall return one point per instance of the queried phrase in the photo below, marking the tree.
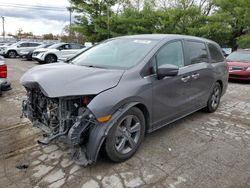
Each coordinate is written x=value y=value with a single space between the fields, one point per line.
x=225 y=21
x=94 y=18
x=244 y=41
x=48 y=36
x=232 y=19
x=69 y=35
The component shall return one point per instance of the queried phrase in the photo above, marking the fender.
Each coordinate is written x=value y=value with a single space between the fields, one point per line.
x=99 y=132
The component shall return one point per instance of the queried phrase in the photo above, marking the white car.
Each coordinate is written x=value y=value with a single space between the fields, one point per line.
x=3 y=46
x=55 y=52
x=15 y=49
x=27 y=53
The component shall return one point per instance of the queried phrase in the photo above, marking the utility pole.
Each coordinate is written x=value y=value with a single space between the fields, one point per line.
x=70 y=22
x=3 y=28
x=70 y=17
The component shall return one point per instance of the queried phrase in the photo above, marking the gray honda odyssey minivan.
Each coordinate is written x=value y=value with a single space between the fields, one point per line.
x=115 y=92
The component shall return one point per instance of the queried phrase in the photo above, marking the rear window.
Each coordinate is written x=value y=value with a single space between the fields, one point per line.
x=197 y=52
x=215 y=53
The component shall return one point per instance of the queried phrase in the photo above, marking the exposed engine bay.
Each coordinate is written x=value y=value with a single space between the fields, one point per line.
x=65 y=118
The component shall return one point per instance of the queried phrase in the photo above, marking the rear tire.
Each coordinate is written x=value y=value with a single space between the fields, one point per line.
x=12 y=54
x=50 y=58
x=214 y=99
x=125 y=137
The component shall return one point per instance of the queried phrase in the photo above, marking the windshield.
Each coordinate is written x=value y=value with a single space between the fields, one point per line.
x=54 y=46
x=118 y=53
x=239 y=56
x=15 y=44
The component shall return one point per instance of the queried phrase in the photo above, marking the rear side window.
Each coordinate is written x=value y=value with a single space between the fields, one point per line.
x=24 y=45
x=64 y=47
x=197 y=52
x=75 y=46
x=215 y=53
x=34 y=44
x=171 y=54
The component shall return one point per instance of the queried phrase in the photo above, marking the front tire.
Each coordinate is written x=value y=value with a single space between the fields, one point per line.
x=214 y=99
x=125 y=137
x=50 y=58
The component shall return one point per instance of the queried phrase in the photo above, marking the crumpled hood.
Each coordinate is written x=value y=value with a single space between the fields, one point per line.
x=61 y=79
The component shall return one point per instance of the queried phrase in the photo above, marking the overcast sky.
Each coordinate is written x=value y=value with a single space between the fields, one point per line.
x=32 y=17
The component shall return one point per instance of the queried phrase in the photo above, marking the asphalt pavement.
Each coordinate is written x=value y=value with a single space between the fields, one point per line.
x=201 y=150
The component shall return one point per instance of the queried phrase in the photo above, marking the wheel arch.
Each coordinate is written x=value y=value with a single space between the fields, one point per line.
x=221 y=84
x=146 y=114
x=98 y=134
x=50 y=54
x=11 y=50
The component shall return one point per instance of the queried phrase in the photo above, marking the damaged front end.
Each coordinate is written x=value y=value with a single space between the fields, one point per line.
x=65 y=118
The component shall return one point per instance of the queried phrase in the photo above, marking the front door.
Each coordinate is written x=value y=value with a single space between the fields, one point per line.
x=170 y=94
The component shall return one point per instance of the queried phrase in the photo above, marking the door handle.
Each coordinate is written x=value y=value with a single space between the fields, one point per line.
x=195 y=75
x=185 y=78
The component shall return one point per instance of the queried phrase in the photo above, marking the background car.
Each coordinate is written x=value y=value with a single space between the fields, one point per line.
x=69 y=58
x=27 y=53
x=55 y=52
x=226 y=51
x=15 y=49
x=4 y=46
x=239 y=65
x=4 y=82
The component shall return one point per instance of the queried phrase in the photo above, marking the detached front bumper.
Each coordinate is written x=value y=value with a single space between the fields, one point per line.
x=63 y=120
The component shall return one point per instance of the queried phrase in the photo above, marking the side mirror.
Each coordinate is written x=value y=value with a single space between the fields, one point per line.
x=167 y=70
x=18 y=46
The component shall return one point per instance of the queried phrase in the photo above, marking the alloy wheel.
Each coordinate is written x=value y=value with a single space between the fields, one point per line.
x=12 y=54
x=215 y=97
x=127 y=134
x=51 y=59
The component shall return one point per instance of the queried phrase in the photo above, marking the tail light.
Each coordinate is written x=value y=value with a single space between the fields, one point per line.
x=3 y=71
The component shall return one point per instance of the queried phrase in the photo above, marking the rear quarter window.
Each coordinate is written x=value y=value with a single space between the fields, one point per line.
x=24 y=45
x=34 y=44
x=197 y=52
x=75 y=46
x=215 y=53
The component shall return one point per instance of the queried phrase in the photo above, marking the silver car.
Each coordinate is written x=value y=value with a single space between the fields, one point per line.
x=115 y=92
x=15 y=49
